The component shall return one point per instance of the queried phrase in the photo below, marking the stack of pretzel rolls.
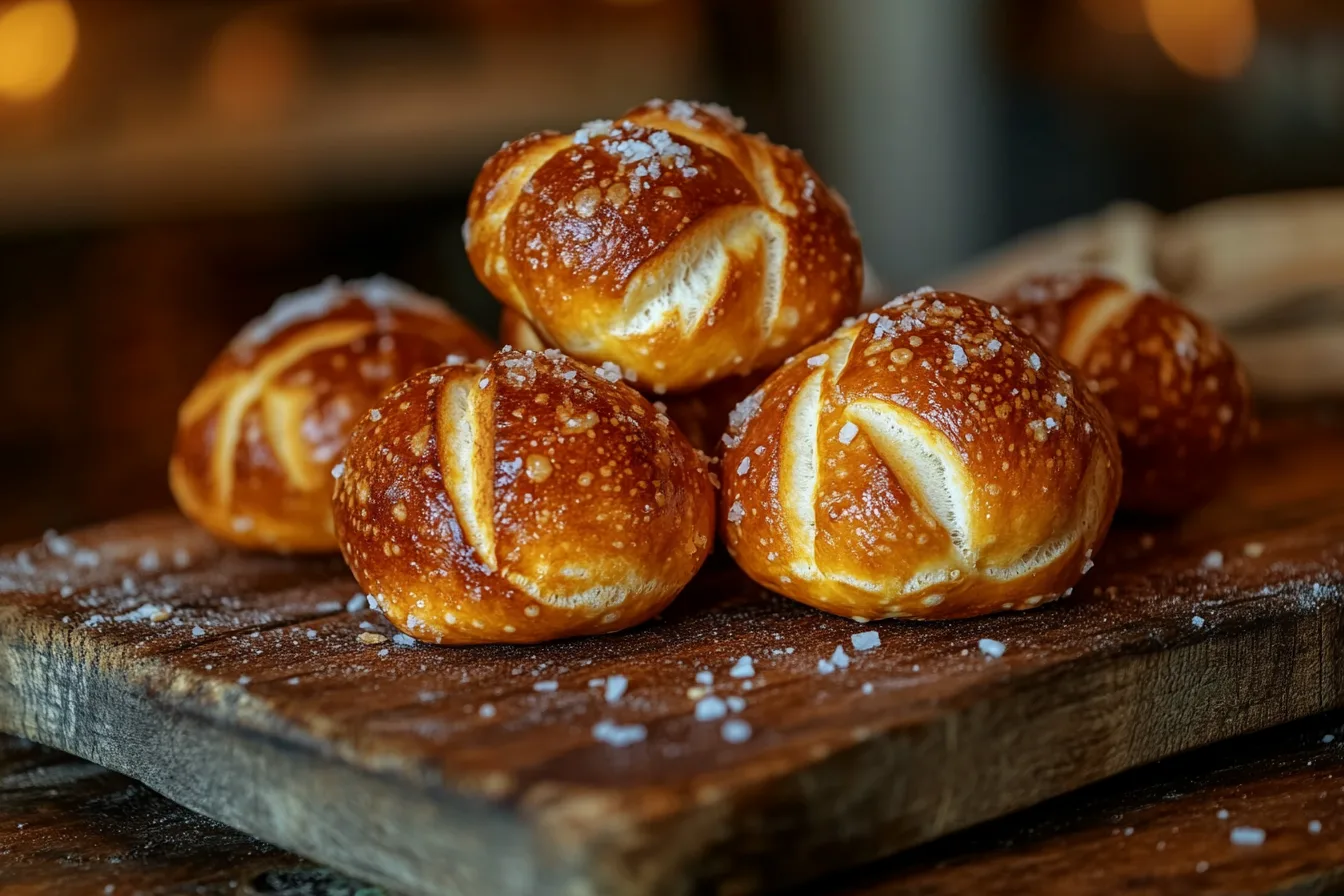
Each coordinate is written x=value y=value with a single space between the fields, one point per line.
x=673 y=287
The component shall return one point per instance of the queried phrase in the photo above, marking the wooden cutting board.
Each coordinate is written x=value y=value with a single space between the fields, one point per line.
x=243 y=687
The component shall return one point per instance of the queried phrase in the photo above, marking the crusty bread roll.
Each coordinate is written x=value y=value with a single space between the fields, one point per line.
x=258 y=436
x=668 y=242
x=522 y=500
x=701 y=415
x=928 y=460
x=1177 y=393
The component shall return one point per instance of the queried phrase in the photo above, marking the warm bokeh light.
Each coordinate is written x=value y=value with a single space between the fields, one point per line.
x=1120 y=16
x=37 y=44
x=1208 y=38
x=254 y=67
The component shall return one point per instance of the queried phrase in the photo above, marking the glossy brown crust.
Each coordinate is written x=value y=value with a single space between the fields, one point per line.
x=1179 y=397
x=701 y=415
x=929 y=460
x=519 y=501
x=258 y=436
x=668 y=242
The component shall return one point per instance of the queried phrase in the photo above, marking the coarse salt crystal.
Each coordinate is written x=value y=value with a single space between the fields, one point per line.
x=546 y=687
x=403 y=640
x=710 y=709
x=825 y=667
x=847 y=433
x=736 y=731
x=1253 y=549
x=1223 y=814
x=704 y=677
x=338 y=470
x=616 y=735
x=867 y=687
x=742 y=668
x=1213 y=560
x=865 y=640
x=840 y=659
x=735 y=512
x=197 y=631
x=1061 y=399
x=615 y=690
x=1313 y=827
x=1247 y=836
x=991 y=648
x=743 y=467
x=736 y=703
x=356 y=603
x=244 y=679
x=375 y=415
x=959 y=358
x=1329 y=738
x=1197 y=621
x=818 y=360
x=487 y=711
x=1035 y=361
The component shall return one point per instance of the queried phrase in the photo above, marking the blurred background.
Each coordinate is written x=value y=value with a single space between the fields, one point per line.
x=168 y=167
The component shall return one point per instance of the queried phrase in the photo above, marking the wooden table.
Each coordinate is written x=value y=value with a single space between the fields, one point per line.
x=67 y=826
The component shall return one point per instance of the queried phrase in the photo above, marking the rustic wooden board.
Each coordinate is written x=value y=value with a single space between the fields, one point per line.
x=70 y=827
x=237 y=684
x=67 y=826
x=1165 y=828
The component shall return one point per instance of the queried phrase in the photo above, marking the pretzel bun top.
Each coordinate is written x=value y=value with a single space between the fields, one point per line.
x=668 y=242
x=524 y=499
x=928 y=460
x=1178 y=395
x=259 y=434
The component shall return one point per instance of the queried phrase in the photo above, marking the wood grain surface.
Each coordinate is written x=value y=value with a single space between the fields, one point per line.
x=70 y=827
x=241 y=686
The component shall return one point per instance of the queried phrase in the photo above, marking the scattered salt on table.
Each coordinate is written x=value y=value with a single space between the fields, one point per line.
x=736 y=731
x=487 y=710
x=616 y=685
x=1313 y=827
x=1213 y=560
x=704 y=677
x=865 y=640
x=742 y=668
x=546 y=687
x=736 y=703
x=356 y=604
x=1197 y=621
x=991 y=648
x=840 y=659
x=710 y=709
x=616 y=735
x=403 y=640
x=1247 y=836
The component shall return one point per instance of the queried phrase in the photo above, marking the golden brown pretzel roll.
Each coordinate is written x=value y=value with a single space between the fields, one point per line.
x=928 y=460
x=258 y=436
x=522 y=500
x=701 y=415
x=1178 y=395
x=668 y=242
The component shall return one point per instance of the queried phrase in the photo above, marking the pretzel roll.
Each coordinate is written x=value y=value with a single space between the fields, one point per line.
x=701 y=415
x=258 y=436
x=1178 y=395
x=928 y=460
x=522 y=500
x=668 y=242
